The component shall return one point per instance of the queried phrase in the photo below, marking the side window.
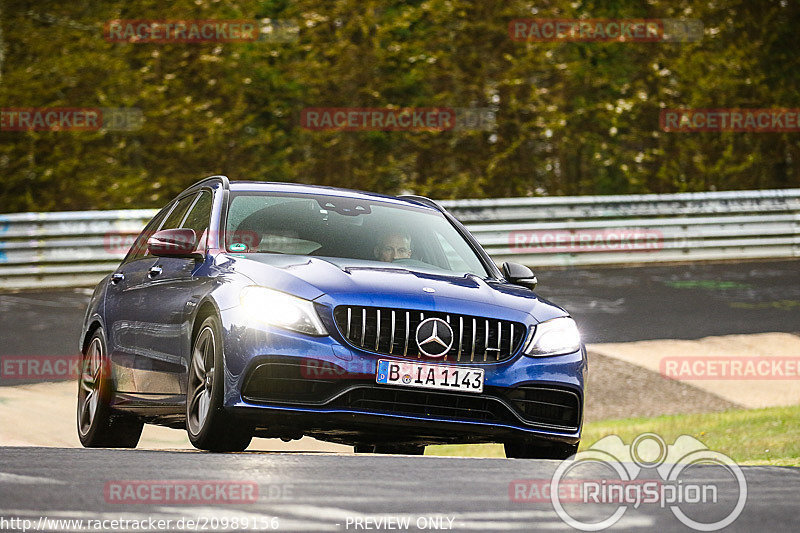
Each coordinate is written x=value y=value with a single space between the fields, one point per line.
x=139 y=247
x=200 y=214
x=176 y=217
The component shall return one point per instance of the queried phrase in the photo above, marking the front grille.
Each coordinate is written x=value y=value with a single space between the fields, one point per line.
x=425 y=403
x=393 y=332
x=544 y=405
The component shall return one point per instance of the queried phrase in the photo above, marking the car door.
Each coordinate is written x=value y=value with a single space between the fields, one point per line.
x=171 y=292
x=123 y=303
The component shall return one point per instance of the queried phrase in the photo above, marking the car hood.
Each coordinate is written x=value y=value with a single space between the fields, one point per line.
x=334 y=281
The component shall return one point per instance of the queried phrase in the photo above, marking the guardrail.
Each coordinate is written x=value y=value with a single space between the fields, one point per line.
x=598 y=230
x=65 y=249
x=73 y=249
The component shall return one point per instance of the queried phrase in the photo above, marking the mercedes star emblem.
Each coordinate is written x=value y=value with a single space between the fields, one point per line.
x=434 y=337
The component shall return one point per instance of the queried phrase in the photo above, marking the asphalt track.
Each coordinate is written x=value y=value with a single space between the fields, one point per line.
x=326 y=492
x=610 y=304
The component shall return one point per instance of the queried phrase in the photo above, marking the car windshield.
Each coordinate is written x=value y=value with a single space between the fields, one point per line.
x=374 y=232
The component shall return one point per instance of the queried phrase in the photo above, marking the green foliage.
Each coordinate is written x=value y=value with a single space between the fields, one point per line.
x=571 y=118
x=773 y=435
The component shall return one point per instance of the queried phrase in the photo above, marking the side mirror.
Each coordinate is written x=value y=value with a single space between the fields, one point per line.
x=520 y=275
x=173 y=243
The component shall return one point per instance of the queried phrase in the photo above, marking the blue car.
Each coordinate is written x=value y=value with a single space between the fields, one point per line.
x=250 y=309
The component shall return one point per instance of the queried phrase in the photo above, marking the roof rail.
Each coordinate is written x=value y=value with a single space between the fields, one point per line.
x=421 y=200
x=226 y=184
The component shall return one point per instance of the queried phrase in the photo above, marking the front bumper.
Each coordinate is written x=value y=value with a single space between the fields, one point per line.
x=287 y=384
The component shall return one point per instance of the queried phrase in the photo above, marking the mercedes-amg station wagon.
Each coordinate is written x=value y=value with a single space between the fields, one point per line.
x=249 y=309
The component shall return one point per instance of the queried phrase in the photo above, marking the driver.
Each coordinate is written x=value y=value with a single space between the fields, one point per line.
x=393 y=246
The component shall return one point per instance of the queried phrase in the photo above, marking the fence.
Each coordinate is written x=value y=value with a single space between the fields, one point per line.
x=597 y=230
x=72 y=249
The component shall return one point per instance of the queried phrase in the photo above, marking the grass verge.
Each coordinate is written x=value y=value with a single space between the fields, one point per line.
x=751 y=436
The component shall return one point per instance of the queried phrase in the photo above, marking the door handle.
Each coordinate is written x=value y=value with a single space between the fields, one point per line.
x=154 y=271
x=117 y=277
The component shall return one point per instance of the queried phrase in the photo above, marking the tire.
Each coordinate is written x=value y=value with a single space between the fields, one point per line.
x=522 y=449
x=394 y=449
x=100 y=426
x=208 y=425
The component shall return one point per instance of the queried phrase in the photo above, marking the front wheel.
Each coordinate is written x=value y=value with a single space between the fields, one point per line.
x=523 y=449
x=208 y=425
x=99 y=426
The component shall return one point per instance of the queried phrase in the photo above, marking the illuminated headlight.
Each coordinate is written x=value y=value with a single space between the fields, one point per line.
x=280 y=309
x=554 y=337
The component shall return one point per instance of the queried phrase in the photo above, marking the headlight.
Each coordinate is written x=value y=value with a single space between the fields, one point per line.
x=280 y=309
x=554 y=337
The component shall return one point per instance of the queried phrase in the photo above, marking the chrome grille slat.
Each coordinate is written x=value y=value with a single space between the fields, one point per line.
x=378 y=330
x=460 y=336
x=447 y=319
x=472 y=353
x=391 y=340
x=495 y=348
x=486 y=344
x=499 y=338
x=421 y=318
x=405 y=346
x=363 y=325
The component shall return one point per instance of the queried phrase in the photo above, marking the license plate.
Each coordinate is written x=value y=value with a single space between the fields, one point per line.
x=422 y=375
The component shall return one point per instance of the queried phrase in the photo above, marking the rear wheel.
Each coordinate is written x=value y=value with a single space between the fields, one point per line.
x=99 y=426
x=208 y=425
x=523 y=449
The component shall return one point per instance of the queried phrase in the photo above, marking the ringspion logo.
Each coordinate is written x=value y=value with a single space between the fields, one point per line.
x=586 y=490
x=692 y=478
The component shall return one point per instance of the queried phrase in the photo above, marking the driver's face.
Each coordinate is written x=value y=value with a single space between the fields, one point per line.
x=393 y=247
